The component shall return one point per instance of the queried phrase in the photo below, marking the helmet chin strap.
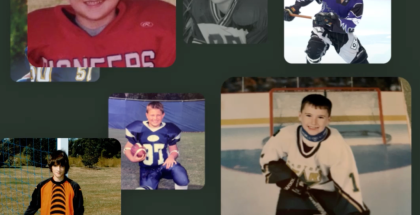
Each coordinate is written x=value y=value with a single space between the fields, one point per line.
x=314 y=138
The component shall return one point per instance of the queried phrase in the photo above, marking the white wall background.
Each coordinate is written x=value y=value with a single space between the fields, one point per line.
x=256 y=106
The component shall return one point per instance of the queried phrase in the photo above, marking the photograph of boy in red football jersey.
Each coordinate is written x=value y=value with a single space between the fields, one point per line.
x=103 y=33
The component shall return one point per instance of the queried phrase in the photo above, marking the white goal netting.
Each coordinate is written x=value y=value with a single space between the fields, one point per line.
x=356 y=112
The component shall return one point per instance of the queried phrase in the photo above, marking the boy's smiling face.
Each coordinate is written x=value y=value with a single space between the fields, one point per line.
x=94 y=10
x=154 y=116
x=314 y=119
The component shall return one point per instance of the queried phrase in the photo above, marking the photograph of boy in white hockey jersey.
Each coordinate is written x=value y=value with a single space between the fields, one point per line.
x=312 y=158
x=343 y=31
x=304 y=145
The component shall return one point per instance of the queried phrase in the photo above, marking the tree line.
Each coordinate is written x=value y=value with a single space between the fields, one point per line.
x=37 y=150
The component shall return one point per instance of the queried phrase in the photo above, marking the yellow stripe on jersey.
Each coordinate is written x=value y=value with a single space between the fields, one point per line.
x=178 y=137
x=128 y=133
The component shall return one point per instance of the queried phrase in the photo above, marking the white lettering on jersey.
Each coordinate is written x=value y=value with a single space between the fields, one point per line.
x=131 y=60
x=94 y=61
x=113 y=58
x=76 y=62
x=147 y=55
x=63 y=63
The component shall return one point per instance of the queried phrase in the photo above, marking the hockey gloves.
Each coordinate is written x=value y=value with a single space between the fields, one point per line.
x=295 y=185
x=288 y=10
x=279 y=173
x=325 y=20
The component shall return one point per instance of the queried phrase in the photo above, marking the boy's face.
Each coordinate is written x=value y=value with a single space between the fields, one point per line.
x=154 y=116
x=94 y=10
x=58 y=171
x=314 y=120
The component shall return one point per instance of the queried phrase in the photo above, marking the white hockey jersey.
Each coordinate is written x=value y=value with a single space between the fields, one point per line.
x=329 y=165
x=218 y=34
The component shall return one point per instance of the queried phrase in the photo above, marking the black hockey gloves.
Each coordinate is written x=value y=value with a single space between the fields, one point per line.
x=279 y=173
x=295 y=185
x=288 y=10
x=325 y=20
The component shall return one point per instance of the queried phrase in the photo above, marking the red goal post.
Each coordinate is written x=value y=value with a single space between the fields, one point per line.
x=325 y=91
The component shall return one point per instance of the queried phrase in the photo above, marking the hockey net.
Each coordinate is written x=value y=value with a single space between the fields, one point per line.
x=356 y=112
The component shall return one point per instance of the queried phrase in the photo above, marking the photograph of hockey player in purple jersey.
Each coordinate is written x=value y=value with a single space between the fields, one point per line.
x=337 y=31
x=225 y=21
x=310 y=146
x=169 y=129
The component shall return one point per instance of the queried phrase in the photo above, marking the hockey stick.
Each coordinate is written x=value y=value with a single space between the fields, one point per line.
x=316 y=203
x=301 y=16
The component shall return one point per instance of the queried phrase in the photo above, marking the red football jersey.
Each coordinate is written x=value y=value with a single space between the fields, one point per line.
x=141 y=35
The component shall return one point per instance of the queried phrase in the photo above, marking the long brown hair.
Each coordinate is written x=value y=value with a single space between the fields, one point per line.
x=59 y=157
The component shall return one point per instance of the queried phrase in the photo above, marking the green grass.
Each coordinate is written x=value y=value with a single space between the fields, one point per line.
x=191 y=149
x=101 y=188
x=14 y=182
x=102 y=162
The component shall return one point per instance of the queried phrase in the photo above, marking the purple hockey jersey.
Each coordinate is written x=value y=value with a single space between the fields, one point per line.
x=349 y=12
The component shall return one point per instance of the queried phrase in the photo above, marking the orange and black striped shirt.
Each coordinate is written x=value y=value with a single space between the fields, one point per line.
x=57 y=198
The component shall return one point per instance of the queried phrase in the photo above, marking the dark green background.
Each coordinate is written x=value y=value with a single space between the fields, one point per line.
x=81 y=109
